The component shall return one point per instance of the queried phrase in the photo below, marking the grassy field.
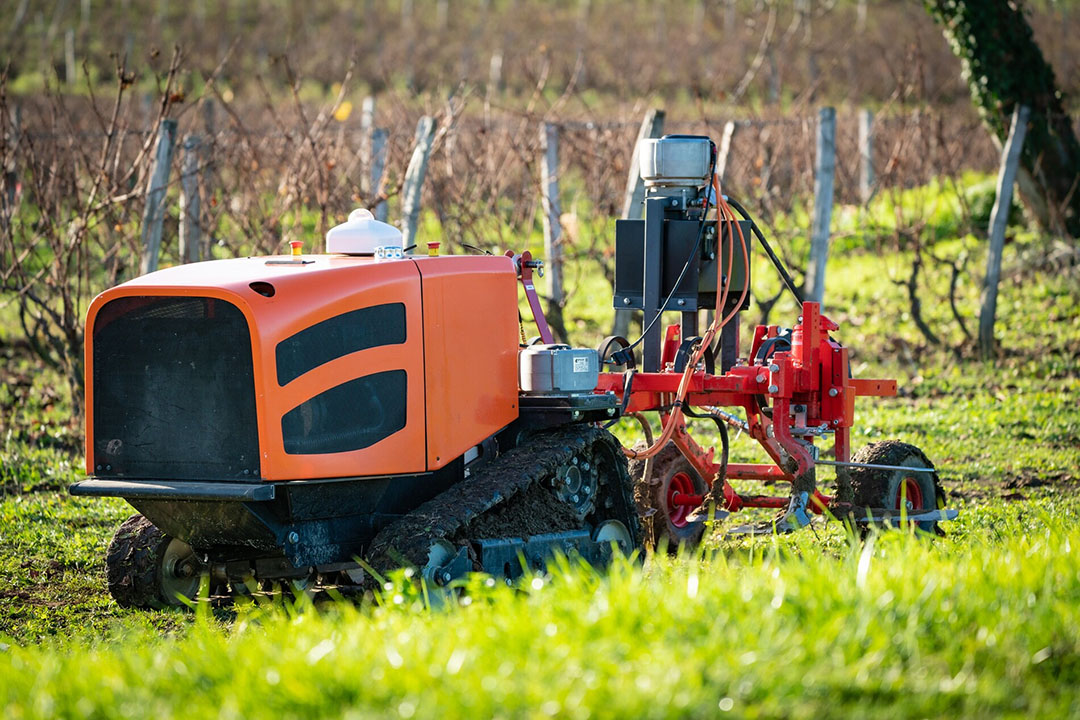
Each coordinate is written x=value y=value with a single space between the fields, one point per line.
x=985 y=620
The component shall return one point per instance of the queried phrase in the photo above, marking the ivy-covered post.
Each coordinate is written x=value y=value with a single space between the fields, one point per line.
x=1004 y=68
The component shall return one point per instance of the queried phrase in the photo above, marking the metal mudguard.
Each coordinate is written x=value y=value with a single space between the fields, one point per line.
x=173 y=490
x=312 y=522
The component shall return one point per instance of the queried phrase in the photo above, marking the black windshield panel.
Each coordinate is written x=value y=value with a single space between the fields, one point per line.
x=351 y=416
x=339 y=336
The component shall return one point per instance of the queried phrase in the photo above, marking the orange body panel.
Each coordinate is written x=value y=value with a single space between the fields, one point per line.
x=459 y=353
x=470 y=351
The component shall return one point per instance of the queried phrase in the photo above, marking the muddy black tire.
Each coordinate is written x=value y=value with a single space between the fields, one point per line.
x=136 y=564
x=661 y=522
x=885 y=488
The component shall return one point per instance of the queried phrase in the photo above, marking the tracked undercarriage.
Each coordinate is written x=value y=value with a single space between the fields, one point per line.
x=564 y=491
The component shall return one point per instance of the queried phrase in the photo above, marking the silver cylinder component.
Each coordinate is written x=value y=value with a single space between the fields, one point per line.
x=558 y=369
x=675 y=161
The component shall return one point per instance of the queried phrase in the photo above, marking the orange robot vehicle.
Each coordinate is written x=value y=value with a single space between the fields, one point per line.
x=306 y=418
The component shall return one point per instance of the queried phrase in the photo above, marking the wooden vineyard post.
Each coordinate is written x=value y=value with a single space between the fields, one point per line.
x=724 y=153
x=549 y=197
x=69 y=56
x=189 y=200
x=495 y=73
x=373 y=158
x=154 y=213
x=823 y=199
x=999 y=217
x=10 y=167
x=208 y=156
x=414 y=179
x=367 y=129
x=378 y=169
x=866 y=155
x=652 y=126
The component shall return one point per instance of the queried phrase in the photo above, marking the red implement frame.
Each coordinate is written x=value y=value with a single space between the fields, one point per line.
x=809 y=389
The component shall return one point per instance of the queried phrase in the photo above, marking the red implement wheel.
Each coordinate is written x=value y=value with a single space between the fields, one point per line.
x=661 y=516
x=909 y=494
x=896 y=489
x=681 y=484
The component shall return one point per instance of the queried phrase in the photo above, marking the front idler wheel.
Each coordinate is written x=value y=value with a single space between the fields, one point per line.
x=438 y=570
x=148 y=569
x=611 y=534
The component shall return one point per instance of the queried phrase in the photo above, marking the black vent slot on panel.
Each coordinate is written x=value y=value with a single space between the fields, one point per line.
x=351 y=416
x=173 y=390
x=338 y=336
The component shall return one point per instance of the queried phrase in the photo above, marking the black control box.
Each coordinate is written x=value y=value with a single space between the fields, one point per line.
x=697 y=291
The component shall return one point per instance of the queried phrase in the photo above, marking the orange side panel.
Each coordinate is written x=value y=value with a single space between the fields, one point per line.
x=470 y=351
x=317 y=300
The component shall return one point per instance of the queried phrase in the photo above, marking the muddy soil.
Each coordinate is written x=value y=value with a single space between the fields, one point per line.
x=533 y=512
x=1011 y=486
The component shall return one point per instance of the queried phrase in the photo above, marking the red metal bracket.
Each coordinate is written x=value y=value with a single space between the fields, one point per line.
x=525 y=264
x=872 y=387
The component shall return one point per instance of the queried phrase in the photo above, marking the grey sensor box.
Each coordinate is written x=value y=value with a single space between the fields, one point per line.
x=558 y=369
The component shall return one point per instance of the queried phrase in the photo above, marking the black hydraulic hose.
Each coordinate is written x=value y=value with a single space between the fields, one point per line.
x=721 y=425
x=628 y=390
x=467 y=246
x=768 y=343
x=777 y=263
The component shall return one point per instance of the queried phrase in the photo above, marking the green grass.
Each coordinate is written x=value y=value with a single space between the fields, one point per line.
x=40 y=441
x=53 y=568
x=987 y=621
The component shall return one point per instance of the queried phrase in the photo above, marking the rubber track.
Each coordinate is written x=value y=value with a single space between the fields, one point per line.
x=408 y=540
